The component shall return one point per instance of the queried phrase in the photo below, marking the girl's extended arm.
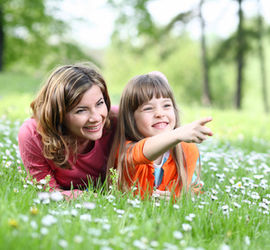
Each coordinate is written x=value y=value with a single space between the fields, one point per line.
x=193 y=132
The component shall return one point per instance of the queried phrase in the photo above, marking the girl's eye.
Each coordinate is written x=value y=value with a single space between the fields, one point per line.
x=168 y=105
x=147 y=108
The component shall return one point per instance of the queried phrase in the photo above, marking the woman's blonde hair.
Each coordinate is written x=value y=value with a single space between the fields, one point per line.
x=140 y=89
x=62 y=91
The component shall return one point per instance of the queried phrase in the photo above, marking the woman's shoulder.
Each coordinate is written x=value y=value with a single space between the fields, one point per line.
x=28 y=128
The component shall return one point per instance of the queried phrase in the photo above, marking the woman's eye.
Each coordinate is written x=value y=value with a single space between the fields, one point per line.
x=100 y=103
x=79 y=111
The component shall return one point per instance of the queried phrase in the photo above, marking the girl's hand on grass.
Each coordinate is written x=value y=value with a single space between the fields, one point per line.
x=196 y=131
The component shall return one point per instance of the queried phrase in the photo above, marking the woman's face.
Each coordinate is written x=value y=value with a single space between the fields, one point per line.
x=87 y=119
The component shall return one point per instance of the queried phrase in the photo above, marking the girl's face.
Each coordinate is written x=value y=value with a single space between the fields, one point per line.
x=87 y=119
x=155 y=116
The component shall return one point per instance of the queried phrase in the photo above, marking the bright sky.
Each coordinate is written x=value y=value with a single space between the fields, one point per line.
x=97 y=19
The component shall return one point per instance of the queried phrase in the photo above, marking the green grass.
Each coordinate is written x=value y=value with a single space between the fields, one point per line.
x=17 y=91
x=235 y=172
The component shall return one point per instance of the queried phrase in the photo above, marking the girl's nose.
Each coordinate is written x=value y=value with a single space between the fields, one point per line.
x=159 y=112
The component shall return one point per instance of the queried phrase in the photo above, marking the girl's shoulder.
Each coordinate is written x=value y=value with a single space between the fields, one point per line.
x=190 y=149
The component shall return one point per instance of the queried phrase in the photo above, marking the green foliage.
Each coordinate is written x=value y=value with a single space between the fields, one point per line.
x=35 y=39
x=180 y=63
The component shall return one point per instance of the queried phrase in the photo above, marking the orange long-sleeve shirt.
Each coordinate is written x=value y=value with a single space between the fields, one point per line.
x=142 y=174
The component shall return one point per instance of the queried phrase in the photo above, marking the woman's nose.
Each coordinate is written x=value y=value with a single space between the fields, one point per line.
x=94 y=116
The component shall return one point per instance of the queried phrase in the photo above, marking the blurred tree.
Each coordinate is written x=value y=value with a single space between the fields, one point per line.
x=24 y=23
x=206 y=96
x=30 y=34
x=262 y=59
x=236 y=48
x=240 y=57
x=135 y=24
x=1 y=37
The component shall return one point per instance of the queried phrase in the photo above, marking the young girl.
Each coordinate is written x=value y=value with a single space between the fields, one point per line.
x=150 y=148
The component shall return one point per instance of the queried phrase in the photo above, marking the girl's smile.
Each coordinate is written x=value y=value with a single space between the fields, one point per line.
x=155 y=116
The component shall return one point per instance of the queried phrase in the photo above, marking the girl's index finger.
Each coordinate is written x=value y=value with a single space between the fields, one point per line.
x=205 y=120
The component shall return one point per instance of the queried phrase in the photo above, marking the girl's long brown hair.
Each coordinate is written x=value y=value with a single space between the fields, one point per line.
x=62 y=91
x=139 y=90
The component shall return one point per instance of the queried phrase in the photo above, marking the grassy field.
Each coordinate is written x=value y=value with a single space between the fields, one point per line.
x=233 y=212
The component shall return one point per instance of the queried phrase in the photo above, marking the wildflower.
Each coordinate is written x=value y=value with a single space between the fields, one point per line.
x=13 y=223
x=74 y=212
x=214 y=191
x=63 y=243
x=139 y=244
x=169 y=246
x=119 y=211
x=224 y=247
x=236 y=205
x=177 y=235
x=213 y=197
x=43 y=182
x=258 y=177
x=186 y=227
x=94 y=231
x=78 y=205
x=44 y=230
x=86 y=217
x=154 y=243
x=255 y=196
x=263 y=205
x=266 y=201
x=33 y=210
x=89 y=205
x=78 y=238
x=34 y=224
x=48 y=220
x=110 y=198
x=56 y=196
x=190 y=217
x=225 y=207
x=134 y=203
x=24 y=217
x=176 y=206
x=106 y=227
x=157 y=204
x=247 y=240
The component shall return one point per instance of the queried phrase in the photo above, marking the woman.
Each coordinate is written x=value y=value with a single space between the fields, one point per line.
x=70 y=134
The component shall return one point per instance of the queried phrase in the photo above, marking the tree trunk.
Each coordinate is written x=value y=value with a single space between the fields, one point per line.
x=1 y=37
x=239 y=58
x=262 y=60
x=206 y=96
